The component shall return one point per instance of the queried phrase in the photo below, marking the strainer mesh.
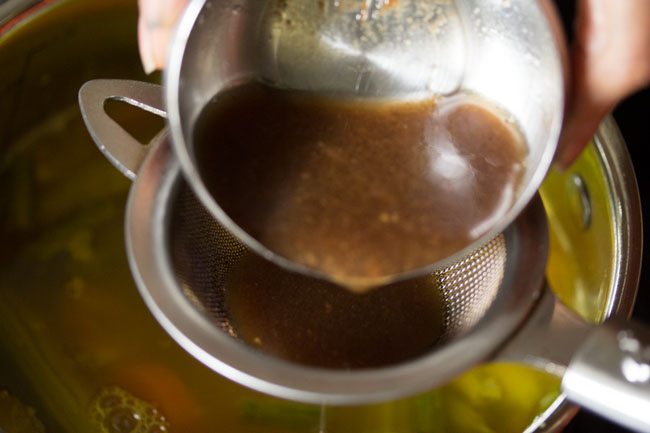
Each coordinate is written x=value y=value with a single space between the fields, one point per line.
x=203 y=254
x=469 y=286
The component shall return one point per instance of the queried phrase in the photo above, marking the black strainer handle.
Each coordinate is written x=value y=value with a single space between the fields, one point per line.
x=120 y=148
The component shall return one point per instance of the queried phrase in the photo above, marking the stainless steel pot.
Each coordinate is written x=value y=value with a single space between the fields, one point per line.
x=600 y=189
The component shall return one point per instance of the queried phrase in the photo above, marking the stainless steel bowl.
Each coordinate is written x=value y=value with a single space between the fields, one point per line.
x=509 y=52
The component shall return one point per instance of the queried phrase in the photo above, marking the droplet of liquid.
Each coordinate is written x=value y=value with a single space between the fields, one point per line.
x=158 y=428
x=122 y=420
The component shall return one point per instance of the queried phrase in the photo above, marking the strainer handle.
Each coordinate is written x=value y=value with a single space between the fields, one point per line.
x=610 y=374
x=120 y=148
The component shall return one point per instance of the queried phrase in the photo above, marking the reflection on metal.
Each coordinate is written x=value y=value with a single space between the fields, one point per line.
x=8 y=10
x=584 y=198
x=635 y=366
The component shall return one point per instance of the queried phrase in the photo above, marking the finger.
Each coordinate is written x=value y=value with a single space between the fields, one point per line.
x=156 y=24
x=611 y=60
x=581 y=124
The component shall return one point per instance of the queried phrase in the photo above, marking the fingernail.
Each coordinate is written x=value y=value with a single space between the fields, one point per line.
x=159 y=39
x=573 y=140
x=566 y=152
x=147 y=55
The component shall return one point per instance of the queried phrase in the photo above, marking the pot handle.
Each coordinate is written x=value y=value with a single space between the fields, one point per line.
x=120 y=148
x=604 y=368
x=610 y=374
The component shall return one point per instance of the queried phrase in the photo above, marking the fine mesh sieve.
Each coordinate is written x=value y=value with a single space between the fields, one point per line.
x=203 y=254
x=182 y=259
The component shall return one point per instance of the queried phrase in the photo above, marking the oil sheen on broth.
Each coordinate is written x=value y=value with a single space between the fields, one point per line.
x=358 y=190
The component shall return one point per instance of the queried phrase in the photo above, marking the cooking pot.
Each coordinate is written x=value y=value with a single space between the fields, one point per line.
x=74 y=335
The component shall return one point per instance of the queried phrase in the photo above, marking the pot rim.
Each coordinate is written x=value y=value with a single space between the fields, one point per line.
x=625 y=213
x=15 y=12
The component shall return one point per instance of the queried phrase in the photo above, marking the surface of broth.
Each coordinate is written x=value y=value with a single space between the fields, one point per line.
x=315 y=322
x=358 y=190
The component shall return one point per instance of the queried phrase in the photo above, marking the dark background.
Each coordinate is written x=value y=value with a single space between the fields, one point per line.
x=633 y=118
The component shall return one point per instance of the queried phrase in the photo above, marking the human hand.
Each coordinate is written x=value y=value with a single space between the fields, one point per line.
x=156 y=24
x=610 y=61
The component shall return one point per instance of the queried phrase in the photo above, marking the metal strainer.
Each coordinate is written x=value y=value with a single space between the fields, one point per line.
x=203 y=254
x=182 y=259
x=495 y=304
